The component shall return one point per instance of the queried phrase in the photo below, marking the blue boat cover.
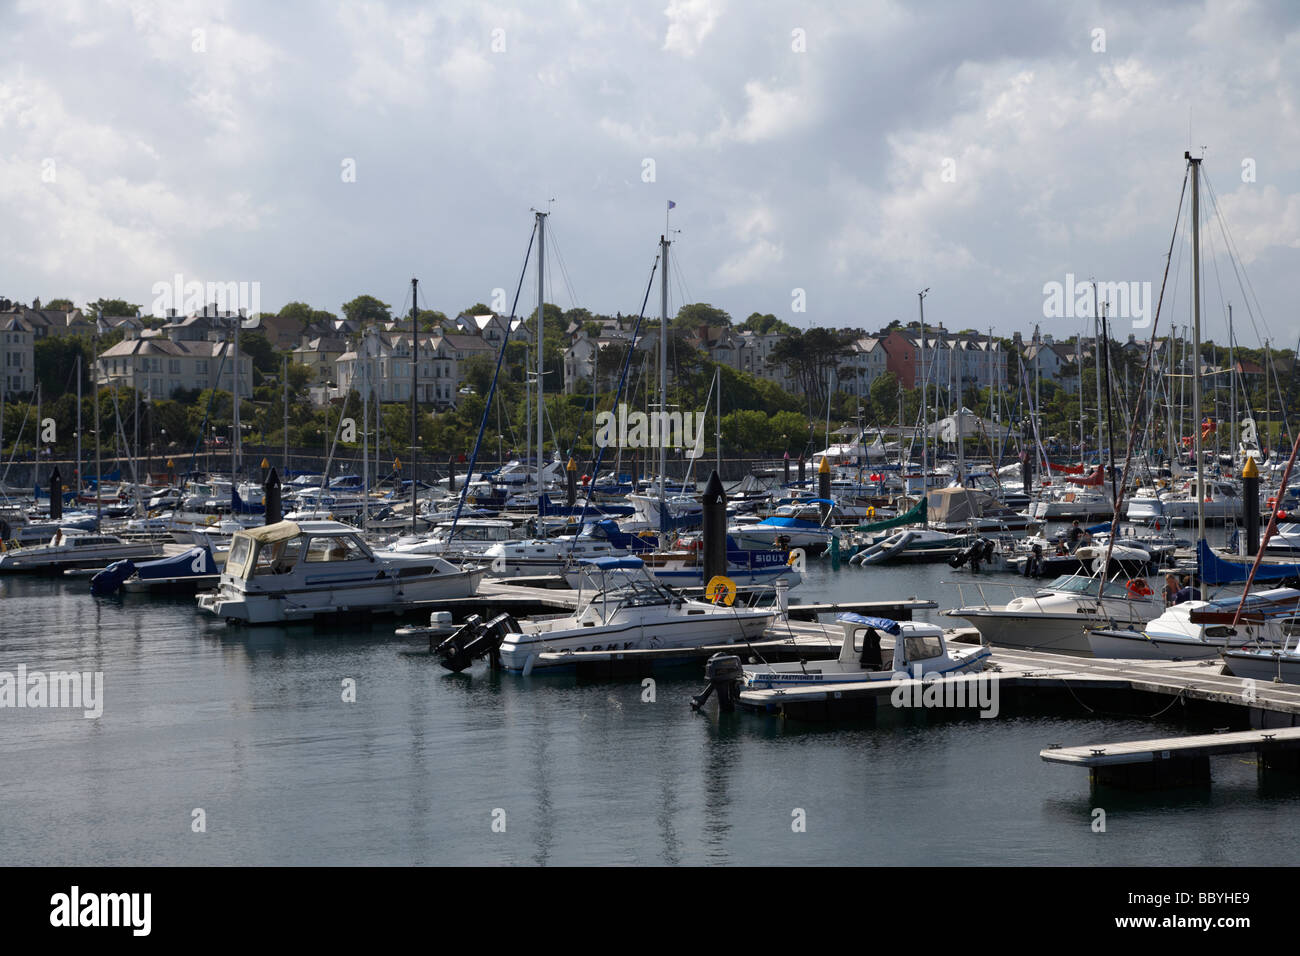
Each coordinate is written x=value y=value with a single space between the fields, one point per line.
x=879 y=623
x=195 y=562
x=111 y=578
x=1215 y=570
x=613 y=564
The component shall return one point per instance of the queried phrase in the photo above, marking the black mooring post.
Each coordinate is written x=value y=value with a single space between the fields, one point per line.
x=272 y=488
x=451 y=473
x=803 y=469
x=56 y=495
x=1250 y=504
x=571 y=482
x=1026 y=476
x=715 y=528
x=787 y=468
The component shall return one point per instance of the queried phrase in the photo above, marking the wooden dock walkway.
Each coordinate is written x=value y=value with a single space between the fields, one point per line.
x=1177 y=761
x=1089 y=685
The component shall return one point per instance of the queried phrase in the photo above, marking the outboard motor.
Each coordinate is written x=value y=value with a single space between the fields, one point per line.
x=1034 y=563
x=723 y=672
x=474 y=640
x=451 y=652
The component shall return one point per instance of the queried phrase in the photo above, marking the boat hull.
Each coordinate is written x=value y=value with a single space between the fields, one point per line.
x=383 y=596
x=522 y=652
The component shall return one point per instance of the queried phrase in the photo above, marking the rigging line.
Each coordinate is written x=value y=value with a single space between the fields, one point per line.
x=1132 y=434
x=622 y=379
x=487 y=405
x=564 y=270
x=1234 y=257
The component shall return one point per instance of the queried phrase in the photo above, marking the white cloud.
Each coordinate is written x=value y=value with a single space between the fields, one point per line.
x=689 y=22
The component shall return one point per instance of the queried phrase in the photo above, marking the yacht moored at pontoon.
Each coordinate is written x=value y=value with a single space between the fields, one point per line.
x=290 y=572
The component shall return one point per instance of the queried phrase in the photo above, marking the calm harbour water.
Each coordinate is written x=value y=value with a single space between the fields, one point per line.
x=250 y=726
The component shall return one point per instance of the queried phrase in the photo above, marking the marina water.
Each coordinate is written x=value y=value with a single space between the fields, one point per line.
x=250 y=727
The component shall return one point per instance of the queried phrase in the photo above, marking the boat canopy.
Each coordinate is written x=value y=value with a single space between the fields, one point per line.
x=626 y=563
x=958 y=505
x=270 y=533
x=879 y=623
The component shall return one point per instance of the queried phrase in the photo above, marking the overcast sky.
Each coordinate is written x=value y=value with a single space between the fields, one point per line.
x=857 y=151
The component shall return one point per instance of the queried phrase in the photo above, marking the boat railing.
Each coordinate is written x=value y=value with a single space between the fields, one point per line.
x=1012 y=591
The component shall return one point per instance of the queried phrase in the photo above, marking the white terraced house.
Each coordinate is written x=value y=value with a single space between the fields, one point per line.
x=160 y=367
x=17 y=357
x=381 y=362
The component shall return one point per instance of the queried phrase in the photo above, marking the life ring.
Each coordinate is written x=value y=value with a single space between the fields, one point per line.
x=1138 y=587
x=721 y=590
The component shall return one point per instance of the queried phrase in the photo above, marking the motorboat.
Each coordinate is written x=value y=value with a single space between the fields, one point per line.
x=787 y=530
x=73 y=548
x=454 y=540
x=533 y=556
x=1053 y=617
x=920 y=649
x=191 y=570
x=1200 y=630
x=290 y=572
x=626 y=609
x=1222 y=502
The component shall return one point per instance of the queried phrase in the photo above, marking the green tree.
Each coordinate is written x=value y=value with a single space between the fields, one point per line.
x=700 y=313
x=884 y=397
x=745 y=431
x=256 y=347
x=790 y=428
x=763 y=324
x=110 y=307
x=60 y=305
x=367 y=310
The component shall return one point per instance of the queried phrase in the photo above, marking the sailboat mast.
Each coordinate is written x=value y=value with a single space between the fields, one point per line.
x=365 y=446
x=541 y=404
x=415 y=348
x=99 y=466
x=234 y=392
x=1232 y=387
x=925 y=460
x=78 y=468
x=1196 y=343
x=663 y=387
x=284 y=400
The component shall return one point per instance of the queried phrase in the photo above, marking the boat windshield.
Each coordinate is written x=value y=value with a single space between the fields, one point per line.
x=623 y=587
x=1077 y=584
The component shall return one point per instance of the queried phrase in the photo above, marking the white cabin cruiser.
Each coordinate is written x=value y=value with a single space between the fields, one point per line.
x=1053 y=618
x=629 y=610
x=473 y=536
x=919 y=649
x=289 y=572
x=530 y=556
x=1200 y=630
x=73 y=548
